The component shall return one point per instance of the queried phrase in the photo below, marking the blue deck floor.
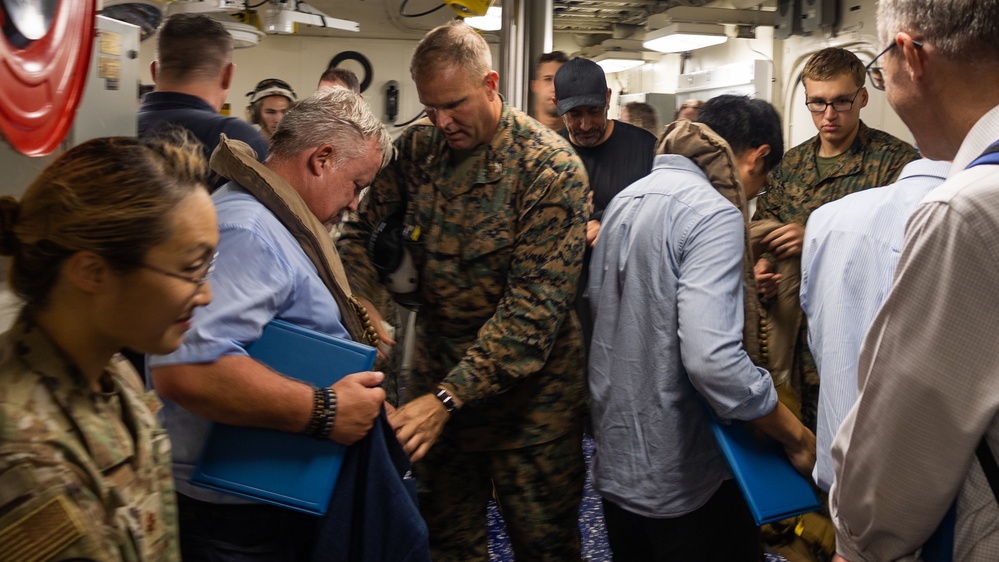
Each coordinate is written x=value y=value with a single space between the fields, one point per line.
x=591 y=524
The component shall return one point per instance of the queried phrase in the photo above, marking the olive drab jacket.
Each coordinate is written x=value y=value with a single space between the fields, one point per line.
x=83 y=475
x=498 y=249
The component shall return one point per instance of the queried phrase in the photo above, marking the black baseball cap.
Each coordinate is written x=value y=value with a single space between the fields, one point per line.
x=580 y=82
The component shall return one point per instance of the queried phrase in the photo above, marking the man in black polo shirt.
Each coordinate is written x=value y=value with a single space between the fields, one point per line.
x=615 y=153
x=193 y=71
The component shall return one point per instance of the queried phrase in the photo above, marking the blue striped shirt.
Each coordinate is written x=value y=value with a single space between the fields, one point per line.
x=852 y=246
x=666 y=292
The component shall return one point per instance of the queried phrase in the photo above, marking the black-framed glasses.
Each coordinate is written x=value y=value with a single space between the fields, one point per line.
x=876 y=73
x=197 y=279
x=839 y=106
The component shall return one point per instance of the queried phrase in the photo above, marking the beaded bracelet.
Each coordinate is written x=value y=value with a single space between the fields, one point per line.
x=323 y=413
x=318 y=408
x=329 y=414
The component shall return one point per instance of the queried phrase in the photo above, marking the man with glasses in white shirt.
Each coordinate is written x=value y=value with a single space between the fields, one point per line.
x=926 y=424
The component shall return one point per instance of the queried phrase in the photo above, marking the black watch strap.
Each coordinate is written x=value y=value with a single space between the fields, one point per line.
x=445 y=397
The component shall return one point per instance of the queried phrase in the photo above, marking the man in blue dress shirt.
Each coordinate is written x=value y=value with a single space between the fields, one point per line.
x=667 y=293
x=852 y=246
x=327 y=149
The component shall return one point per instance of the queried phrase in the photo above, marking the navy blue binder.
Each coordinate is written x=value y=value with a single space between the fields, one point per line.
x=286 y=469
x=773 y=489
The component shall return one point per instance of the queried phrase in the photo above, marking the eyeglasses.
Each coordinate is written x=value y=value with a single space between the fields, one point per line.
x=876 y=72
x=198 y=279
x=839 y=106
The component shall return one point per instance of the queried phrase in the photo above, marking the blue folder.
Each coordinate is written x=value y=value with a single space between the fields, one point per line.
x=286 y=469
x=773 y=489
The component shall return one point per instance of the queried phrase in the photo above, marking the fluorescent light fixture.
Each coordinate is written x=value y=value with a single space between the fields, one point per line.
x=679 y=37
x=618 y=61
x=492 y=21
x=611 y=66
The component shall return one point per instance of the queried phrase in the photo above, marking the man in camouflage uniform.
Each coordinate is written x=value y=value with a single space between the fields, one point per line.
x=495 y=224
x=83 y=476
x=846 y=156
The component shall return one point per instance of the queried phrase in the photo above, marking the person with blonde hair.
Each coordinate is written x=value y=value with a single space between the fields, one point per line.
x=110 y=247
x=845 y=156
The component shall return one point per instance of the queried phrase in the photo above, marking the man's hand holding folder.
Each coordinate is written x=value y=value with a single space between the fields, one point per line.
x=798 y=441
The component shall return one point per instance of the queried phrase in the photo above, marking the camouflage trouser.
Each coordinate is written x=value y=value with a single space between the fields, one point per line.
x=538 y=489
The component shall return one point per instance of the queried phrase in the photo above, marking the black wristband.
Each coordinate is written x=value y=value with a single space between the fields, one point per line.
x=445 y=397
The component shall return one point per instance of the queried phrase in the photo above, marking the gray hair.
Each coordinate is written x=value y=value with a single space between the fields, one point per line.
x=452 y=44
x=960 y=29
x=336 y=116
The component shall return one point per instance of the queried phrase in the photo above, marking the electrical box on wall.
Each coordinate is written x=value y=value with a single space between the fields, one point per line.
x=817 y=14
x=111 y=95
x=788 y=19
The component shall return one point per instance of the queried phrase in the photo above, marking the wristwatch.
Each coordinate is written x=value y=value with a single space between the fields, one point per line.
x=445 y=397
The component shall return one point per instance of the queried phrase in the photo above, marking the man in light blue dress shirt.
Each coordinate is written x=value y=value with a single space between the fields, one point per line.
x=323 y=159
x=667 y=295
x=852 y=246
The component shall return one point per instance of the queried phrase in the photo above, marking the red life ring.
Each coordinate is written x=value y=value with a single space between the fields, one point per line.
x=44 y=61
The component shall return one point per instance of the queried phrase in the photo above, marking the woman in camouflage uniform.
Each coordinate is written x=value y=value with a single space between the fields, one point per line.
x=112 y=246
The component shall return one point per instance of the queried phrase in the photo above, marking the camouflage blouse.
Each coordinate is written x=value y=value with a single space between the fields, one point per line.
x=499 y=251
x=83 y=475
x=795 y=188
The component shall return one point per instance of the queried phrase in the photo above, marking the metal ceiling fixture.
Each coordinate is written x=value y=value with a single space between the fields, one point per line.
x=600 y=16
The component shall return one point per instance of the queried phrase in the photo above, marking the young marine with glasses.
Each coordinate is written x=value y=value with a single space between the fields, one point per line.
x=844 y=157
x=110 y=247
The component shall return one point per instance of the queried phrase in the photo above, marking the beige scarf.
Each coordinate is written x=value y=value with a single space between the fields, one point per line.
x=235 y=160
